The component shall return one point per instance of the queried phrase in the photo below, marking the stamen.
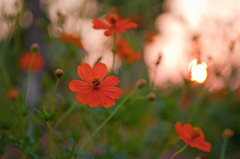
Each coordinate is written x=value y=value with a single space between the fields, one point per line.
x=96 y=82
x=196 y=133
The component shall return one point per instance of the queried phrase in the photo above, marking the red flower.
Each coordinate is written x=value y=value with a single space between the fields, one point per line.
x=125 y=51
x=12 y=94
x=35 y=58
x=94 y=90
x=114 y=24
x=193 y=137
x=71 y=38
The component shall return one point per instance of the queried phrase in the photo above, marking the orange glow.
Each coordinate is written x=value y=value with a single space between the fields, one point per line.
x=198 y=71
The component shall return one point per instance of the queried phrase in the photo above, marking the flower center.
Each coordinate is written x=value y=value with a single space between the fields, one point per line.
x=196 y=133
x=113 y=20
x=96 y=82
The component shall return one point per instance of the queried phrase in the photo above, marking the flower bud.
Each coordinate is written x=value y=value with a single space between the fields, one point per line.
x=152 y=97
x=228 y=133
x=59 y=72
x=202 y=156
x=12 y=94
x=141 y=83
x=35 y=47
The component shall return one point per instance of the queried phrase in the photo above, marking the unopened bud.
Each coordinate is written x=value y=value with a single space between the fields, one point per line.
x=12 y=94
x=152 y=97
x=228 y=133
x=35 y=47
x=59 y=72
x=141 y=83
x=202 y=156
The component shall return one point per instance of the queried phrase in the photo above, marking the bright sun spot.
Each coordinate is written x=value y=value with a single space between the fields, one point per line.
x=198 y=71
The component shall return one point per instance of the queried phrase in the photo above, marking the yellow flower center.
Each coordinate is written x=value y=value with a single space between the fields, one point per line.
x=96 y=82
x=196 y=133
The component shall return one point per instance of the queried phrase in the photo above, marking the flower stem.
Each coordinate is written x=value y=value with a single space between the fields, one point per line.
x=49 y=139
x=27 y=83
x=179 y=151
x=5 y=74
x=49 y=123
x=224 y=146
x=76 y=138
x=70 y=109
x=53 y=95
x=106 y=121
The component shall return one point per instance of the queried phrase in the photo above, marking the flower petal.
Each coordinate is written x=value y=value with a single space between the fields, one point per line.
x=184 y=131
x=77 y=86
x=202 y=145
x=112 y=92
x=110 y=81
x=98 y=24
x=100 y=70
x=84 y=96
x=85 y=72
x=125 y=24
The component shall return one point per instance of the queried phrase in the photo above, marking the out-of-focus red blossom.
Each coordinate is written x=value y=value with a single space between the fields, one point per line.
x=114 y=24
x=71 y=38
x=125 y=51
x=12 y=94
x=35 y=58
x=94 y=90
x=193 y=137
x=149 y=36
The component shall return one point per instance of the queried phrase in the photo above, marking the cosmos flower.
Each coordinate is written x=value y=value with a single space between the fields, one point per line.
x=114 y=24
x=125 y=51
x=94 y=90
x=35 y=58
x=71 y=38
x=193 y=137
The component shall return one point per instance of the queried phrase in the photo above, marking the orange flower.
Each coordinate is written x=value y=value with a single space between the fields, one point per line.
x=193 y=137
x=125 y=51
x=12 y=94
x=114 y=24
x=94 y=90
x=35 y=58
x=71 y=39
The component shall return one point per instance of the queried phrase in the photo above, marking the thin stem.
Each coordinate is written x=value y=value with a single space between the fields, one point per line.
x=53 y=95
x=106 y=121
x=114 y=50
x=76 y=138
x=27 y=83
x=179 y=151
x=49 y=139
x=224 y=146
x=59 y=121
x=5 y=75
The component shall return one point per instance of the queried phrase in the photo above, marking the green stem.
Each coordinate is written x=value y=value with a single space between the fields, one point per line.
x=61 y=119
x=49 y=139
x=224 y=146
x=5 y=75
x=76 y=138
x=179 y=151
x=53 y=95
x=27 y=83
x=106 y=121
